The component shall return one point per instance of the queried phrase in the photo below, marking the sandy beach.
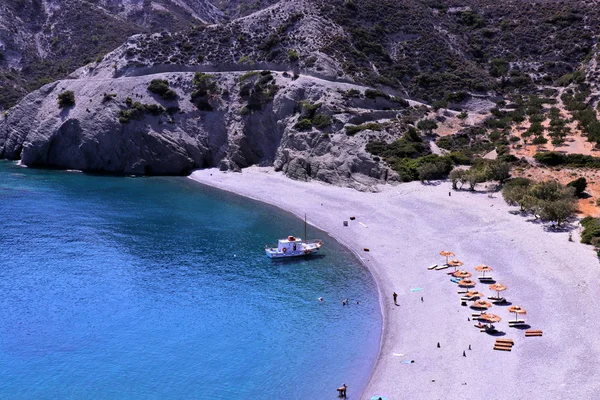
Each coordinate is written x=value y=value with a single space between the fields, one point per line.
x=405 y=227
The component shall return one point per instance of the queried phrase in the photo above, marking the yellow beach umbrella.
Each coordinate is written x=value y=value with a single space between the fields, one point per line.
x=497 y=287
x=455 y=263
x=466 y=283
x=481 y=304
x=462 y=274
x=483 y=268
x=517 y=310
x=446 y=253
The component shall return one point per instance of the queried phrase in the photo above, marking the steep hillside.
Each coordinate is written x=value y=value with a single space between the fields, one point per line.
x=318 y=89
x=43 y=40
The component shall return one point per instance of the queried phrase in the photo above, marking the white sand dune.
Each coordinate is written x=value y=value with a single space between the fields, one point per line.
x=405 y=227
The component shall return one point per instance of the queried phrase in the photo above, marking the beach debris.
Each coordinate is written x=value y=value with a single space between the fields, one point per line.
x=398 y=354
x=345 y=223
x=364 y=225
x=446 y=253
x=320 y=299
x=417 y=289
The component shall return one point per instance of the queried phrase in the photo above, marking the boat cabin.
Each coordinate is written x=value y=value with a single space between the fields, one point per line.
x=292 y=243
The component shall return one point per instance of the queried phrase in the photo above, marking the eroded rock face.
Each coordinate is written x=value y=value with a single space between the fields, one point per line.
x=243 y=128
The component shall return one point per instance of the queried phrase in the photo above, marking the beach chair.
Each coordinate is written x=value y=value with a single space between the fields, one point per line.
x=533 y=332
x=432 y=267
x=455 y=280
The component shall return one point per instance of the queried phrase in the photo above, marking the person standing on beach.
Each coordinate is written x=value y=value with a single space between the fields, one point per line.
x=395 y=298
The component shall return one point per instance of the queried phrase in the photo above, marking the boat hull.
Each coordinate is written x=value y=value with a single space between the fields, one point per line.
x=274 y=253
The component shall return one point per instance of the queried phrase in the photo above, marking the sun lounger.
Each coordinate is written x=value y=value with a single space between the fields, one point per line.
x=479 y=325
x=432 y=267
x=519 y=322
x=476 y=315
x=485 y=278
x=462 y=291
x=441 y=267
x=503 y=345
x=505 y=341
x=502 y=348
x=533 y=332
x=455 y=280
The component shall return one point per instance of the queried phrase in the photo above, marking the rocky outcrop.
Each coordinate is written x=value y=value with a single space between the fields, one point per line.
x=246 y=118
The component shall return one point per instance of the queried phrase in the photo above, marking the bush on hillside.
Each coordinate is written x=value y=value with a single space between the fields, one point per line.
x=161 y=88
x=66 y=99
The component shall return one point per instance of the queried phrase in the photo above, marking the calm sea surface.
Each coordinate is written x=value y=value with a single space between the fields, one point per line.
x=158 y=288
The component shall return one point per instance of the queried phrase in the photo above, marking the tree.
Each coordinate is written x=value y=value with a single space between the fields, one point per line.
x=498 y=171
x=474 y=176
x=579 y=184
x=457 y=176
x=513 y=195
x=427 y=126
x=558 y=210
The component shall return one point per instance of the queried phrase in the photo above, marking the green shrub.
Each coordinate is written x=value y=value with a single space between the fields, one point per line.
x=550 y=158
x=161 y=88
x=303 y=124
x=321 y=121
x=354 y=129
x=373 y=94
x=66 y=99
x=591 y=229
x=579 y=184
x=293 y=55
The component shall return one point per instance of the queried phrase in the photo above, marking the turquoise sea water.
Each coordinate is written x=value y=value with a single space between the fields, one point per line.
x=158 y=288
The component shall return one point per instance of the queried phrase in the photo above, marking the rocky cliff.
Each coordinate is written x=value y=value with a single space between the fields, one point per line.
x=230 y=120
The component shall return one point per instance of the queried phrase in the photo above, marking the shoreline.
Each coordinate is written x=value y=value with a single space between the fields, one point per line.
x=405 y=227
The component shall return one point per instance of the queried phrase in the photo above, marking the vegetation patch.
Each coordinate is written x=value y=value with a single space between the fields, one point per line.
x=352 y=130
x=553 y=159
x=138 y=110
x=547 y=200
x=66 y=99
x=205 y=89
x=161 y=88
x=258 y=89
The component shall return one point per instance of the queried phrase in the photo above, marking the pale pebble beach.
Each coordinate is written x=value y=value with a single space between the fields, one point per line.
x=405 y=227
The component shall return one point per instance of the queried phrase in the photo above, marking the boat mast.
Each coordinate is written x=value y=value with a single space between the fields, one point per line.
x=305 y=237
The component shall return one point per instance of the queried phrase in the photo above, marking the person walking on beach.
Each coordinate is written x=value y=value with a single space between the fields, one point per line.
x=395 y=298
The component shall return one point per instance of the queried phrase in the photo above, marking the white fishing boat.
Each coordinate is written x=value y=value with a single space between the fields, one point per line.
x=294 y=247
